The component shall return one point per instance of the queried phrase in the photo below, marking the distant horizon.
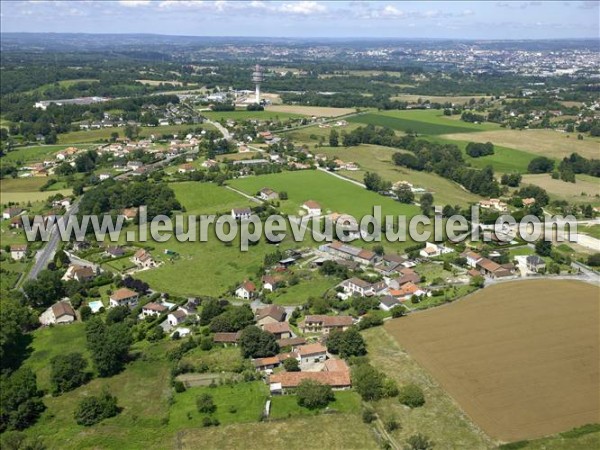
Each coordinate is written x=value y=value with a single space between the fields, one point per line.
x=462 y=20
x=329 y=38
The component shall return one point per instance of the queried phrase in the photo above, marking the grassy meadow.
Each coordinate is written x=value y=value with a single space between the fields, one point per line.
x=242 y=114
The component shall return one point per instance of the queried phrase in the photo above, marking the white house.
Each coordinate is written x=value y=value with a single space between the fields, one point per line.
x=432 y=250
x=153 y=309
x=472 y=258
x=312 y=208
x=388 y=302
x=176 y=317
x=357 y=286
x=267 y=194
x=18 y=251
x=9 y=213
x=143 y=259
x=312 y=353
x=246 y=290
x=103 y=176
x=60 y=312
x=122 y=297
x=241 y=213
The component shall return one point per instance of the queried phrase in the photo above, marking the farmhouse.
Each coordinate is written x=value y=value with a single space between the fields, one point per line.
x=241 y=213
x=186 y=168
x=281 y=330
x=177 y=317
x=472 y=258
x=9 y=213
x=388 y=302
x=226 y=338
x=357 y=286
x=267 y=194
x=312 y=353
x=60 y=312
x=18 y=251
x=346 y=251
x=246 y=290
x=153 y=309
x=114 y=251
x=143 y=259
x=269 y=314
x=407 y=275
x=432 y=250
x=129 y=213
x=123 y=296
x=493 y=203
x=291 y=342
x=269 y=282
x=79 y=273
x=312 y=208
x=16 y=222
x=535 y=263
x=209 y=163
x=324 y=324
x=338 y=377
x=390 y=264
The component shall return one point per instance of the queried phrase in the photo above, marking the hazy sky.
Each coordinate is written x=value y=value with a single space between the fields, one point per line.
x=437 y=19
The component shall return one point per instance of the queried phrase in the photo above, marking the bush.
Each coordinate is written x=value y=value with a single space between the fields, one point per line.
x=179 y=386
x=92 y=410
x=312 y=394
x=594 y=260
x=67 y=372
x=391 y=424
x=368 y=416
x=390 y=388
x=411 y=395
x=418 y=442
x=291 y=365
x=205 y=404
x=210 y=422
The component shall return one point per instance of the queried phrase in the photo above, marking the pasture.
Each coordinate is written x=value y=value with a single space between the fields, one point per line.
x=333 y=194
x=456 y=99
x=24 y=190
x=520 y=365
x=427 y=122
x=375 y=158
x=206 y=198
x=319 y=111
x=586 y=188
x=538 y=142
x=36 y=153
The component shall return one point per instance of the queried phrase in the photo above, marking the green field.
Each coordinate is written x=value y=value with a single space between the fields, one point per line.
x=36 y=153
x=103 y=134
x=24 y=190
x=375 y=158
x=333 y=194
x=207 y=198
x=249 y=115
x=428 y=122
x=314 y=285
x=247 y=399
x=285 y=406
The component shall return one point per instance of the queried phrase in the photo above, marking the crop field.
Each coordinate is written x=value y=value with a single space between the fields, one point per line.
x=33 y=153
x=539 y=142
x=23 y=190
x=428 y=122
x=268 y=114
x=586 y=189
x=520 y=365
x=319 y=111
x=333 y=194
x=458 y=99
x=375 y=158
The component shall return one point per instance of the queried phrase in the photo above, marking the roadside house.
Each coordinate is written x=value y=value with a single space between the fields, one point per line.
x=246 y=290
x=18 y=251
x=324 y=324
x=123 y=296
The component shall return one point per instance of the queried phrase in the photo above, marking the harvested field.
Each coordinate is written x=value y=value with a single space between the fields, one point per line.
x=586 y=188
x=521 y=365
x=541 y=142
x=319 y=111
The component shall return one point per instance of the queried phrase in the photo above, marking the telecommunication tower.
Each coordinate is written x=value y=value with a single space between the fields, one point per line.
x=258 y=77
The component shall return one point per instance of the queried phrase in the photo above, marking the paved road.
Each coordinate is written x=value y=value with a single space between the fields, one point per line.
x=349 y=180
x=224 y=131
x=44 y=255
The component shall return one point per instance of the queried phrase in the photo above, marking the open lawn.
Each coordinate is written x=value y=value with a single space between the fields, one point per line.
x=335 y=431
x=428 y=122
x=285 y=406
x=206 y=198
x=314 y=285
x=539 y=142
x=313 y=134
x=520 y=365
x=593 y=230
x=216 y=360
x=23 y=190
x=240 y=402
x=8 y=185
x=586 y=189
x=333 y=194
x=242 y=114
x=319 y=111
x=52 y=341
x=375 y=158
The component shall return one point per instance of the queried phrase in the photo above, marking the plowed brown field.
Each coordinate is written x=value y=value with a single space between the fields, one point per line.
x=521 y=358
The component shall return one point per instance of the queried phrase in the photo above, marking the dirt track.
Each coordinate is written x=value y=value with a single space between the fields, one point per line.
x=521 y=359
